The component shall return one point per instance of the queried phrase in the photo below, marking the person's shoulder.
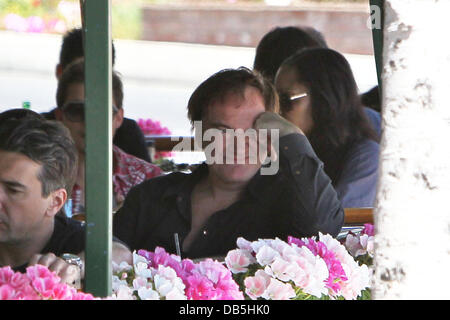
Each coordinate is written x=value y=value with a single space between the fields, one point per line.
x=129 y=122
x=63 y=223
x=366 y=145
x=363 y=153
x=68 y=236
x=129 y=126
x=159 y=185
x=137 y=164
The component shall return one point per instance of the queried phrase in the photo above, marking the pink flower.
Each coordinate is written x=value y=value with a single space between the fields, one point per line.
x=35 y=24
x=298 y=242
x=255 y=286
x=225 y=288
x=39 y=271
x=207 y=279
x=45 y=286
x=238 y=260
x=83 y=296
x=7 y=292
x=15 y=22
x=150 y=127
x=369 y=229
x=6 y=274
x=335 y=270
x=56 y=25
x=278 y=290
x=62 y=292
x=37 y=283
x=199 y=288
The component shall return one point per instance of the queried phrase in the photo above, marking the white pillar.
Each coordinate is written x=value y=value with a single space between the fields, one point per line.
x=412 y=216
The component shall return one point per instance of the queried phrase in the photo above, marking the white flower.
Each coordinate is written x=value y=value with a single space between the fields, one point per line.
x=124 y=293
x=278 y=290
x=176 y=294
x=238 y=260
x=367 y=242
x=266 y=255
x=256 y=245
x=147 y=294
x=279 y=245
x=140 y=282
x=312 y=272
x=141 y=270
x=166 y=272
x=282 y=269
x=138 y=258
x=244 y=244
x=117 y=283
x=360 y=245
x=353 y=245
x=170 y=275
x=123 y=266
x=358 y=279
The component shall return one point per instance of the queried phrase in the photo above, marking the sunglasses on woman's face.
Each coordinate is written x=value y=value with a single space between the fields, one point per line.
x=286 y=100
x=74 y=111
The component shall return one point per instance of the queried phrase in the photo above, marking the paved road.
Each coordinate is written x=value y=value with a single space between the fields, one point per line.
x=158 y=77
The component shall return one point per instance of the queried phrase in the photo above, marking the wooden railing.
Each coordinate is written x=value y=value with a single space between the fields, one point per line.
x=358 y=216
x=165 y=143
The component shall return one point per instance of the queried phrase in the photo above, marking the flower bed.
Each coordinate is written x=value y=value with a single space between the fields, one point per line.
x=38 y=283
x=269 y=269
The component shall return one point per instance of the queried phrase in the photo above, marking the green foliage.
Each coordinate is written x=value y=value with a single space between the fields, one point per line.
x=126 y=20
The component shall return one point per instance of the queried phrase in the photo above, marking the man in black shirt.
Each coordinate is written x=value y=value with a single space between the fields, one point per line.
x=37 y=168
x=219 y=202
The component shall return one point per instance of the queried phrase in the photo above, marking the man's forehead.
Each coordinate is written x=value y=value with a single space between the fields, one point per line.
x=236 y=104
x=18 y=167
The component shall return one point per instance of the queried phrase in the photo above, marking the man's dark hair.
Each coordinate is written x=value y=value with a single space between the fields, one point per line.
x=46 y=142
x=282 y=42
x=338 y=116
x=74 y=73
x=19 y=113
x=230 y=81
x=72 y=48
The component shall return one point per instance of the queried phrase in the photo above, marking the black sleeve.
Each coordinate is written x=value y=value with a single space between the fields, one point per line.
x=316 y=205
x=125 y=219
x=129 y=138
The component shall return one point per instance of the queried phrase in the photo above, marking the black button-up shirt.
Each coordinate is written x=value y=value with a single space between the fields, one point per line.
x=299 y=200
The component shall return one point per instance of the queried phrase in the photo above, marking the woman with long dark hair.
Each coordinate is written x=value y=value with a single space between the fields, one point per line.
x=319 y=94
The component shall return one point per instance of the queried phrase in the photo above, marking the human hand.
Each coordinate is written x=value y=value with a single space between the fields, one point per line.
x=270 y=120
x=121 y=253
x=68 y=273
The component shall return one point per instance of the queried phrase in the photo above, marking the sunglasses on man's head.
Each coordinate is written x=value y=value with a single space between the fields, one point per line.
x=74 y=111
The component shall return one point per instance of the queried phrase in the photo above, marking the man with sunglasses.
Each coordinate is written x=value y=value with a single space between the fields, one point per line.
x=129 y=136
x=128 y=170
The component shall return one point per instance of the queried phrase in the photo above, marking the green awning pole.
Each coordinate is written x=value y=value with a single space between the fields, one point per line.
x=377 y=37
x=97 y=45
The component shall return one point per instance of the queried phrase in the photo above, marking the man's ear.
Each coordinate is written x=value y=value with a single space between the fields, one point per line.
x=58 y=71
x=57 y=199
